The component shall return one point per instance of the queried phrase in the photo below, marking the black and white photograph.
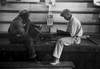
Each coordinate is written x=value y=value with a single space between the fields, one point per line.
x=49 y=34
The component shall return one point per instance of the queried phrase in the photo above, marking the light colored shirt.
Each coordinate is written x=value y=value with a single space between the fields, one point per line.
x=75 y=29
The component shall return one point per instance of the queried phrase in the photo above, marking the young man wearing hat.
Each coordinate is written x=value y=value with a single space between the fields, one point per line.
x=19 y=32
x=75 y=30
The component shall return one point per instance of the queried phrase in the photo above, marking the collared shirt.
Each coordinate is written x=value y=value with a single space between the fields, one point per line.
x=75 y=28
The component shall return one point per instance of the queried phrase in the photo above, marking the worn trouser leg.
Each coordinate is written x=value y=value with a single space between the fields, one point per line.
x=65 y=41
x=58 y=49
x=30 y=46
x=29 y=43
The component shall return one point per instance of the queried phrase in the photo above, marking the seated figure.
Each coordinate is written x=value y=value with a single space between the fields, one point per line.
x=19 y=32
x=73 y=33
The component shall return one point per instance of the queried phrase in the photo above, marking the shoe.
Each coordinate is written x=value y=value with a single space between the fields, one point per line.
x=34 y=60
x=55 y=62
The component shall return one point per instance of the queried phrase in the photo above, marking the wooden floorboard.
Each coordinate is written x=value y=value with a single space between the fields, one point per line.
x=31 y=65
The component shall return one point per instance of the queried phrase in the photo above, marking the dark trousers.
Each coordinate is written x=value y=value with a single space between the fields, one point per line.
x=27 y=40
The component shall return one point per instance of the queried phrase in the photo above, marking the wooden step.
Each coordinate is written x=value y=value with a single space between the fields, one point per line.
x=31 y=65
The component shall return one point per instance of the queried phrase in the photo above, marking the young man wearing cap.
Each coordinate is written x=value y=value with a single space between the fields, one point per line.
x=74 y=28
x=19 y=32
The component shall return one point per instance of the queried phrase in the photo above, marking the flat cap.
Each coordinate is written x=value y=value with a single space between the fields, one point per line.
x=23 y=11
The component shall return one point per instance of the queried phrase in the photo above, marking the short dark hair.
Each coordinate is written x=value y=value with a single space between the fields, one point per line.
x=65 y=11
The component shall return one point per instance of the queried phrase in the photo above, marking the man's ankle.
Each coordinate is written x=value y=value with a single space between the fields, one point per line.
x=55 y=62
x=57 y=59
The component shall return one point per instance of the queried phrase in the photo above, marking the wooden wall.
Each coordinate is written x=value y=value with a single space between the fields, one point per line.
x=84 y=10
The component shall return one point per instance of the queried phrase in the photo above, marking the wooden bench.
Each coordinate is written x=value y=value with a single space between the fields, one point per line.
x=85 y=46
x=86 y=51
x=16 y=52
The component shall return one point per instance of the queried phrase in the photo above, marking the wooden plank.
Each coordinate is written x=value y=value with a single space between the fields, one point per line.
x=24 y=1
x=57 y=0
x=81 y=17
x=36 y=68
x=42 y=17
x=86 y=28
x=27 y=65
x=95 y=39
x=47 y=46
x=4 y=27
x=75 y=7
x=91 y=28
x=73 y=0
x=55 y=23
x=39 y=7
